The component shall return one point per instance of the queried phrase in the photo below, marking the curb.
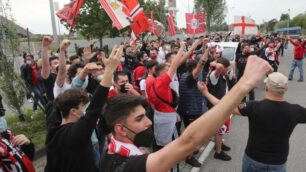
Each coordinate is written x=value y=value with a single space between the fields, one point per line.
x=204 y=155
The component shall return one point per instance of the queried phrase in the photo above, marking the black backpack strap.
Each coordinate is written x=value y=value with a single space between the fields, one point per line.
x=161 y=99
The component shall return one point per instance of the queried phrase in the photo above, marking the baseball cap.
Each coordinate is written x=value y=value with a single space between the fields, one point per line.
x=277 y=82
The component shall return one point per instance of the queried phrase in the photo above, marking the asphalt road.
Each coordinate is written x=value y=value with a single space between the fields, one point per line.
x=237 y=139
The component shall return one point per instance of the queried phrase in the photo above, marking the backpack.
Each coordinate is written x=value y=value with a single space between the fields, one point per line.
x=12 y=159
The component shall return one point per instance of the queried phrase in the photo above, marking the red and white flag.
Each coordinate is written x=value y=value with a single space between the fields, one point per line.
x=244 y=26
x=140 y=21
x=70 y=12
x=171 y=26
x=195 y=23
x=115 y=10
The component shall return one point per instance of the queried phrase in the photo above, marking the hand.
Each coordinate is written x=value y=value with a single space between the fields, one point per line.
x=114 y=58
x=182 y=44
x=92 y=67
x=202 y=87
x=129 y=87
x=21 y=139
x=256 y=69
x=195 y=44
x=87 y=53
x=65 y=44
x=47 y=40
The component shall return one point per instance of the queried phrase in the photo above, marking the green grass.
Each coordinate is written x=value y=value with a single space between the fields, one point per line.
x=34 y=126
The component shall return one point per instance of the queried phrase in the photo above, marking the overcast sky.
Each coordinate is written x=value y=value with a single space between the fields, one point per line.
x=35 y=14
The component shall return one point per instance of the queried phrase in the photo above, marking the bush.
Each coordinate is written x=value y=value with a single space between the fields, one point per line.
x=33 y=127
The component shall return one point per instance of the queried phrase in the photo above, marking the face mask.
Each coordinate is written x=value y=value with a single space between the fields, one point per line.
x=252 y=49
x=122 y=88
x=99 y=77
x=143 y=138
x=3 y=125
x=29 y=62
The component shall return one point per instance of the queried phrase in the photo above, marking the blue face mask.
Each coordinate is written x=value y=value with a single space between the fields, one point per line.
x=29 y=62
x=3 y=125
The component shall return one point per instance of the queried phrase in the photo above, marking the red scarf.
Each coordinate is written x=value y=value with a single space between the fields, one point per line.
x=124 y=149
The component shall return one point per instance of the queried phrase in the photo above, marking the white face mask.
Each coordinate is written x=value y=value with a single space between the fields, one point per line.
x=29 y=62
x=100 y=77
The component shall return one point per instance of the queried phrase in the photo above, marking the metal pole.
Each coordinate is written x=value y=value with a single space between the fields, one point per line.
x=28 y=38
x=288 y=23
x=53 y=21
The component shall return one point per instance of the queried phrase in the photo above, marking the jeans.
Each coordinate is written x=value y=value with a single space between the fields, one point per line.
x=299 y=64
x=250 y=165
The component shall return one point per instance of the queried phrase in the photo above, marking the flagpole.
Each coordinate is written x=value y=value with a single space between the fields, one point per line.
x=53 y=21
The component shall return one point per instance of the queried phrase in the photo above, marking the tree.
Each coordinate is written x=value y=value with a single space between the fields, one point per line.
x=219 y=27
x=93 y=22
x=214 y=10
x=158 y=9
x=284 y=17
x=11 y=85
x=281 y=24
x=299 y=20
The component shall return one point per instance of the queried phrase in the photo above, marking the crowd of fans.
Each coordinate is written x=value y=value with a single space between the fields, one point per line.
x=161 y=82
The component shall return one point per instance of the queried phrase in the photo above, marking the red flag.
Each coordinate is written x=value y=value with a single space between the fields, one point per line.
x=116 y=11
x=140 y=21
x=171 y=26
x=195 y=23
x=70 y=12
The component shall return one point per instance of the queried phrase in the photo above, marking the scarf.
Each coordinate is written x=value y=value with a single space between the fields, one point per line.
x=124 y=149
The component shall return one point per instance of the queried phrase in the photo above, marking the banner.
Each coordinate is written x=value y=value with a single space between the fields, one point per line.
x=115 y=11
x=140 y=21
x=171 y=26
x=70 y=12
x=195 y=23
x=244 y=26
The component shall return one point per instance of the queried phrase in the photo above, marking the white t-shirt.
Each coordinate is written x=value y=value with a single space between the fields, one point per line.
x=161 y=56
x=142 y=85
x=58 y=90
x=214 y=79
x=174 y=84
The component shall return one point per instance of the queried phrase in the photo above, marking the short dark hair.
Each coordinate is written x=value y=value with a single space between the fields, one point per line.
x=52 y=58
x=71 y=98
x=223 y=61
x=80 y=51
x=159 y=68
x=119 y=73
x=168 y=55
x=154 y=48
x=150 y=64
x=73 y=57
x=73 y=70
x=119 y=107
x=190 y=65
x=140 y=55
x=30 y=55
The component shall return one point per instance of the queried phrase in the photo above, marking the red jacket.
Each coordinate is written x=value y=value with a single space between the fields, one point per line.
x=298 y=49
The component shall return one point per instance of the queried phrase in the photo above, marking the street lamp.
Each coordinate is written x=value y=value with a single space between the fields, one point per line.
x=288 y=23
